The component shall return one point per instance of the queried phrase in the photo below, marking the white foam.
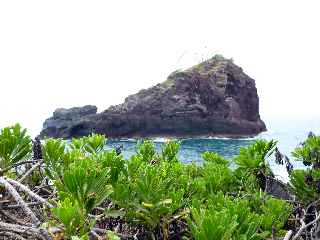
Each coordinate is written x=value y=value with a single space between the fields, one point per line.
x=161 y=139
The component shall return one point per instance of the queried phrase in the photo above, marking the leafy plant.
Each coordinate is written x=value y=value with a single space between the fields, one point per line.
x=217 y=175
x=223 y=218
x=275 y=213
x=82 y=173
x=111 y=236
x=212 y=157
x=152 y=195
x=304 y=189
x=306 y=183
x=86 y=183
x=254 y=157
x=309 y=152
x=54 y=157
x=112 y=161
x=170 y=150
x=252 y=167
x=83 y=237
x=92 y=144
x=15 y=145
x=146 y=150
x=72 y=217
x=158 y=194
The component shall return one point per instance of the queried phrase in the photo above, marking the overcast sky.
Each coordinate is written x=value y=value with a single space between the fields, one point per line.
x=71 y=53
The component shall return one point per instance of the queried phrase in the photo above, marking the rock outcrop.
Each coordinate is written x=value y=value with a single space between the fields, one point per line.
x=213 y=98
x=63 y=119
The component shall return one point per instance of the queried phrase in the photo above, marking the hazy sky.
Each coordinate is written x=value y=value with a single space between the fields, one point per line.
x=71 y=53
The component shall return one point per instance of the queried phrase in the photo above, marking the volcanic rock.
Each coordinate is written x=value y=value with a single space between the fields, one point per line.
x=213 y=98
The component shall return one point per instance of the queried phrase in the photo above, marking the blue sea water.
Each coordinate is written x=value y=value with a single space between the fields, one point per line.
x=289 y=133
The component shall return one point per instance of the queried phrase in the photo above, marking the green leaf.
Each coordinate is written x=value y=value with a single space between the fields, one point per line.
x=15 y=145
x=111 y=236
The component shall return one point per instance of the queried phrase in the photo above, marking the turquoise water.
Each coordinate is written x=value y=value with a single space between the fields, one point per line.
x=191 y=149
x=289 y=134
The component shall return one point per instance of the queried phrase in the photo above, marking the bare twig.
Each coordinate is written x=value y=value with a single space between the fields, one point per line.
x=288 y=235
x=14 y=206
x=20 y=201
x=2 y=171
x=4 y=201
x=29 y=192
x=12 y=235
x=12 y=218
x=30 y=171
x=304 y=227
x=96 y=235
x=99 y=230
x=36 y=232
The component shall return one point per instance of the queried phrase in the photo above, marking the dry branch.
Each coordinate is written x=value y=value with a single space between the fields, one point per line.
x=20 y=229
x=19 y=200
x=2 y=171
x=13 y=219
x=15 y=206
x=29 y=192
x=12 y=235
x=304 y=227
x=30 y=171
x=288 y=235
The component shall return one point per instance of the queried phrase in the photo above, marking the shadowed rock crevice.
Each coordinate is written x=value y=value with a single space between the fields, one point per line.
x=213 y=98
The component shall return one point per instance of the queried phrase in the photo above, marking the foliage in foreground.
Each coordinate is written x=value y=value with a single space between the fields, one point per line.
x=306 y=183
x=154 y=196
x=15 y=146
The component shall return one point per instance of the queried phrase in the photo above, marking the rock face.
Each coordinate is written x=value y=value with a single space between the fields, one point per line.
x=62 y=119
x=213 y=98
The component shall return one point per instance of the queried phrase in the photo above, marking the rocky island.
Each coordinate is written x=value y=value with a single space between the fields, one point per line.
x=213 y=98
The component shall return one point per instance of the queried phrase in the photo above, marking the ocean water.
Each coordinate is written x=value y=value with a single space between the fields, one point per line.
x=289 y=133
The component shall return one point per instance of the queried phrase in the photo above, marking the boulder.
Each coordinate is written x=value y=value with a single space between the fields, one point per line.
x=213 y=98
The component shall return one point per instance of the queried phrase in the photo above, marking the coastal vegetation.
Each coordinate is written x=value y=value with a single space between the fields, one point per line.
x=78 y=190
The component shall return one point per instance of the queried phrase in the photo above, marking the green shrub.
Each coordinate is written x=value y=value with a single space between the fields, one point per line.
x=86 y=183
x=156 y=192
x=305 y=190
x=223 y=218
x=309 y=152
x=54 y=158
x=306 y=183
x=170 y=150
x=82 y=174
x=275 y=213
x=15 y=145
x=252 y=167
x=152 y=194
x=218 y=177
x=253 y=158
x=112 y=161
x=72 y=217
x=92 y=144
x=146 y=150
x=213 y=157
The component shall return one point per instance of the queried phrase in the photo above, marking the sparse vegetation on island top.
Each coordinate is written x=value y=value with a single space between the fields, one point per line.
x=79 y=190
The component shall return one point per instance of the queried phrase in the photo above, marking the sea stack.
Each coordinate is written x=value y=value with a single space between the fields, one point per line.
x=213 y=98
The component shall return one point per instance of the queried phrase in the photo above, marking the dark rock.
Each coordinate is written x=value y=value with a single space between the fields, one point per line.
x=214 y=98
x=64 y=120
x=36 y=149
x=278 y=189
